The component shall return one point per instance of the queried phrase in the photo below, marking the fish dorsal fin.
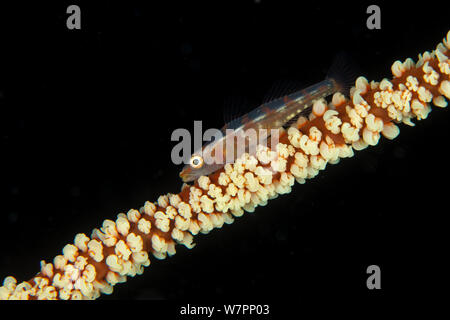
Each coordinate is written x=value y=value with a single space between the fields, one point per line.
x=235 y=106
x=281 y=88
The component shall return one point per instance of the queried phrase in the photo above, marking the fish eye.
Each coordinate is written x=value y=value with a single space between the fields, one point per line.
x=196 y=162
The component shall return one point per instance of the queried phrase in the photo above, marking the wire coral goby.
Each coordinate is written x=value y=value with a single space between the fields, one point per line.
x=269 y=116
x=121 y=247
x=262 y=121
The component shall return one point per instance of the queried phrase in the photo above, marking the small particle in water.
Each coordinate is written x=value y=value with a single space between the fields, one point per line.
x=13 y=217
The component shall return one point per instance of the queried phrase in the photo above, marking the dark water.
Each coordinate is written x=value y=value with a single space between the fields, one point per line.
x=87 y=115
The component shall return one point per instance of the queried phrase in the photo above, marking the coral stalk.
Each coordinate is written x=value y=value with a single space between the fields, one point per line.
x=120 y=248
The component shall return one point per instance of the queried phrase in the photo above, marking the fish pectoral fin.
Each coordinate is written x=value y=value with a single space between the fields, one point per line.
x=304 y=113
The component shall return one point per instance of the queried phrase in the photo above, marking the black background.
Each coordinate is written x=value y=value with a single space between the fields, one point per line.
x=86 y=118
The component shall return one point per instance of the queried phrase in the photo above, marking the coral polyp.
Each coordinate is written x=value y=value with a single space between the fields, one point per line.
x=122 y=247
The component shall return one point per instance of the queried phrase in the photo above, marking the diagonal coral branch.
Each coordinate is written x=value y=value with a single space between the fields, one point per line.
x=93 y=265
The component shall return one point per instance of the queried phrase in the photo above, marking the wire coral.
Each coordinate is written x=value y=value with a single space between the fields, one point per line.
x=121 y=247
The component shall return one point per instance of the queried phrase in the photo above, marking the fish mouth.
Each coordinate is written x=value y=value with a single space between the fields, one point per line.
x=186 y=176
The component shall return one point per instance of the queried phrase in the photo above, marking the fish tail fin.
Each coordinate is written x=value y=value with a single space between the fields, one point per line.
x=344 y=72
